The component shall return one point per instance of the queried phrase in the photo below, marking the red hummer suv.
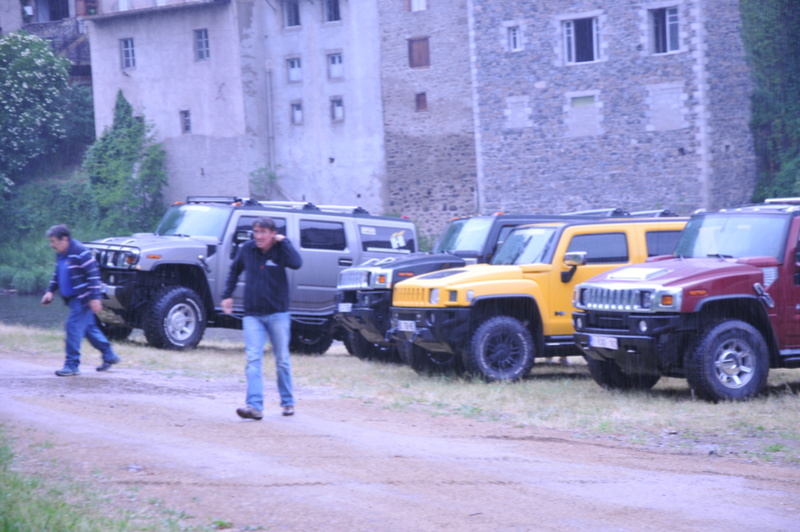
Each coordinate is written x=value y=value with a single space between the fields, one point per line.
x=720 y=312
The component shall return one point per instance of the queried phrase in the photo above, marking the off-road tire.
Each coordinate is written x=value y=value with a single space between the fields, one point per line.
x=501 y=349
x=428 y=363
x=609 y=376
x=366 y=350
x=177 y=319
x=114 y=333
x=309 y=340
x=730 y=362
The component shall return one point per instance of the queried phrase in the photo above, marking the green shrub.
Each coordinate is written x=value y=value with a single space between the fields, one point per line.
x=25 y=282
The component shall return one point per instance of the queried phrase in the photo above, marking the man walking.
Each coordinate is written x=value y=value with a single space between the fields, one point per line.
x=266 y=311
x=77 y=278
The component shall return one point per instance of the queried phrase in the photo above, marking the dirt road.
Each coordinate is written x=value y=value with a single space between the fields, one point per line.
x=175 y=442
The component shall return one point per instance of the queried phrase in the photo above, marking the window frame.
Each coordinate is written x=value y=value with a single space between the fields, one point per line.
x=570 y=40
x=417 y=5
x=185 y=121
x=514 y=38
x=332 y=66
x=421 y=101
x=664 y=28
x=419 y=56
x=337 y=104
x=127 y=49
x=296 y=112
x=331 y=9
x=202 y=45
x=291 y=14
x=294 y=74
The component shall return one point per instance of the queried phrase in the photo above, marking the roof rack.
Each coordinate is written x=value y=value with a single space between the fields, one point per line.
x=599 y=212
x=783 y=201
x=213 y=199
x=308 y=206
x=658 y=213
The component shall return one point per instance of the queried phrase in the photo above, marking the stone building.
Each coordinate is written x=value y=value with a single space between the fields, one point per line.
x=628 y=103
x=435 y=108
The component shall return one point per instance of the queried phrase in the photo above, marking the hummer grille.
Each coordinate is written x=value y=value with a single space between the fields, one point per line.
x=618 y=299
x=409 y=296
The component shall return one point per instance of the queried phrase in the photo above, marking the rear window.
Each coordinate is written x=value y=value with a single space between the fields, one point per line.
x=386 y=239
x=661 y=242
x=601 y=248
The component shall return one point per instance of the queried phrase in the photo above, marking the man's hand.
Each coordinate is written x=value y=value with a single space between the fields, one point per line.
x=278 y=237
x=227 y=305
x=95 y=305
x=47 y=298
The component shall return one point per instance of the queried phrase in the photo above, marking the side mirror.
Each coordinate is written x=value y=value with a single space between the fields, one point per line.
x=573 y=259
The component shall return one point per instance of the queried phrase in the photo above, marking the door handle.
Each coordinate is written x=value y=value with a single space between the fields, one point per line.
x=346 y=262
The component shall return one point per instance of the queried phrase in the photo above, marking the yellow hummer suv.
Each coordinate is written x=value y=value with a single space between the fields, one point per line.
x=492 y=320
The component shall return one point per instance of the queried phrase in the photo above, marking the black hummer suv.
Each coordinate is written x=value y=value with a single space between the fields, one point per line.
x=169 y=282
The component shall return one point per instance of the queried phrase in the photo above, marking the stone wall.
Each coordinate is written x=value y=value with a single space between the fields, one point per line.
x=430 y=154
x=633 y=129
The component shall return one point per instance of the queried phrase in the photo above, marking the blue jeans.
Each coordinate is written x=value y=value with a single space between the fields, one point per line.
x=81 y=323
x=256 y=328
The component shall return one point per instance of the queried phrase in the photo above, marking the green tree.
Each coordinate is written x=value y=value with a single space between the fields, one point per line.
x=771 y=35
x=127 y=170
x=33 y=84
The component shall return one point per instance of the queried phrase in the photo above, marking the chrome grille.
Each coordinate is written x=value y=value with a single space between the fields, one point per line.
x=620 y=299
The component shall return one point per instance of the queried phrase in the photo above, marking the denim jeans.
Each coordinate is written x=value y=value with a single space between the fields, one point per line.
x=81 y=323
x=256 y=328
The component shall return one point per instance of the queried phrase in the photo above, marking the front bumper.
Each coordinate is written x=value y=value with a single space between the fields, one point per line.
x=434 y=329
x=365 y=312
x=657 y=351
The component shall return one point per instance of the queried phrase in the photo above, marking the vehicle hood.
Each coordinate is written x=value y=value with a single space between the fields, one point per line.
x=152 y=243
x=474 y=273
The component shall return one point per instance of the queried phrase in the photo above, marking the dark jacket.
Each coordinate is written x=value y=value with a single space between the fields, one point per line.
x=266 y=288
x=83 y=273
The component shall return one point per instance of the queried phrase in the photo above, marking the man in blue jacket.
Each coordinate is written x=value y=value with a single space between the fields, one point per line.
x=77 y=278
x=266 y=311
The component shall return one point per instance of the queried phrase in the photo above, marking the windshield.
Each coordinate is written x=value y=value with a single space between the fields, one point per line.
x=726 y=235
x=468 y=234
x=528 y=245
x=194 y=220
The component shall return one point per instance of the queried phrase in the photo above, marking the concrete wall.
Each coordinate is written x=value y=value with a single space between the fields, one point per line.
x=10 y=16
x=220 y=151
x=430 y=154
x=323 y=160
x=655 y=134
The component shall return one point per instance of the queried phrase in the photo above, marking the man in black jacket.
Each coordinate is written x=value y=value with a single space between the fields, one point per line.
x=266 y=311
x=77 y=278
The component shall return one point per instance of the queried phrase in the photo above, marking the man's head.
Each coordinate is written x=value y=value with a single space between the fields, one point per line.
x=264 y=232
x=59 y=236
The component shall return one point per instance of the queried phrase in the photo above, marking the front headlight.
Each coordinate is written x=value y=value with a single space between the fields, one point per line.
x=434 y=296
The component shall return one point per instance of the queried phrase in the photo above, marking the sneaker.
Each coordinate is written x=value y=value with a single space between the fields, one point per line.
x=288 y=410
x=105 y=366
x=67 y=372
x=248 y=412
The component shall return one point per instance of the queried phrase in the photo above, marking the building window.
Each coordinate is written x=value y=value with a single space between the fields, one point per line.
x=291 y=13
x=335 y=68
x=128 y=55
x=332 y=13
x=417 y=5
x=297 y=113
x=201 y=49
x=421 y=99
x=337 y=109
x=514 y=38
x=294 y=69
x=584 y=116
x=186 y=122
x=664 y=30
x=419 y=53
x=581 y=40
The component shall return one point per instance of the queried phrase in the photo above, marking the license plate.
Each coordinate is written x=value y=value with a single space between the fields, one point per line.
x=345 y=307
x=605 y=342
x=407 y=326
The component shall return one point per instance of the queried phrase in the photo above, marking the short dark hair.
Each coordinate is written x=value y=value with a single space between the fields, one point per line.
x=265 y=222
x=59 y=231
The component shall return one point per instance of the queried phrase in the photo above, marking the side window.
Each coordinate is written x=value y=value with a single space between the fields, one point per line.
x=601 y=248
x=661 y=242
x=392 y=239
x=244 y=230
x=581 y=40
x=315 y=234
